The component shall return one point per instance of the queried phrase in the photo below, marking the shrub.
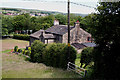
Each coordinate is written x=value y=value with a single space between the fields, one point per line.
x=64 y=56
x=56 y=55
x=37 y=49
x=28 y=48
x=23 y=51
x=15 y=48
x=21 y=36
x=52 y=54
x=27 y=52
x=86 y=56
x=19 y=50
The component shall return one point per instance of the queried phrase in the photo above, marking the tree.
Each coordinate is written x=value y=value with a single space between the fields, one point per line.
x=107 y=36
x=19 y=22
x=87 y=23
x=61 y=18
x=4 y=31
x=6 y=23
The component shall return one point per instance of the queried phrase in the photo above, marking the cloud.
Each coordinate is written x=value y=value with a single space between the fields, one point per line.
x=51 y=6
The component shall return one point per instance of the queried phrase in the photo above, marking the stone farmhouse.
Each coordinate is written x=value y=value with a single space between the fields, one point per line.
x=59 y=34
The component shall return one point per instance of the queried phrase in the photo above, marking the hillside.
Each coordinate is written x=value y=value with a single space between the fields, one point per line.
x=33 y=11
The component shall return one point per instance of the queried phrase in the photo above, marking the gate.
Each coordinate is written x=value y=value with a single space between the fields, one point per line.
x=77 y=69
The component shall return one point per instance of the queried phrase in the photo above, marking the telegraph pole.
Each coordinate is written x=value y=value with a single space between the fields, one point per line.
x=68 y=30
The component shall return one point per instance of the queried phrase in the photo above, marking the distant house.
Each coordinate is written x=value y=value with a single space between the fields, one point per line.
x=59 y=34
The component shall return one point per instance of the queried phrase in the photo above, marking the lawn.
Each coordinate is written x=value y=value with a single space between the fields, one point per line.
x=10 y=43
x=15 y=66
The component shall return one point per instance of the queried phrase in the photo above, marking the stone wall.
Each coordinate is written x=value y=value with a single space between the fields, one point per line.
x=77 y=35
x=50 y=41
x=47 y=41
x=72 y=37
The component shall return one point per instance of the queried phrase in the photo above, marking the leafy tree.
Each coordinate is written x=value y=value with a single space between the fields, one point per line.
x=6 y=23
x=107 y=36
x=87 y=23
x=61 y=18
x=4 y=31
x=27 y=23
x=18 y=22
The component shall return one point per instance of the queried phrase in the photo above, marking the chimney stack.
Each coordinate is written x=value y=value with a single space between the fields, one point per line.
x=56 y=22
x=77 y=28
x=77 y=24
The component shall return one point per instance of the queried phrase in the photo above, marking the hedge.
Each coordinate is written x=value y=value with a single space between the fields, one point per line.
x=55 y=54
x=52 y=54
x=64 y=58
x=37 y=49
x=86 y=56
x=21 y=36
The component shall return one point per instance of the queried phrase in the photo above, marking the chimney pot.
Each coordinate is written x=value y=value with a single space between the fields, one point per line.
x=56 y=22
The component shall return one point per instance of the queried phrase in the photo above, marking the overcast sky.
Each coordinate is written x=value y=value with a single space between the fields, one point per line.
x=51 y=5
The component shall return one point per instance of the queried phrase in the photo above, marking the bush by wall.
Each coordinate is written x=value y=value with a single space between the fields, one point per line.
x=21 y=36
x=55 y=54
x=86 y=56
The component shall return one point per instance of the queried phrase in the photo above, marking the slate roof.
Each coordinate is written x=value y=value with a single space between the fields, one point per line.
x=56 y=29
x=89 y=44
x=49 y=36
x=59 y=29
x=36 y=34
x=82 y=45
x=78 y=45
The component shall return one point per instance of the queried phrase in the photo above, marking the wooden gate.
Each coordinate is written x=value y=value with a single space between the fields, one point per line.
x=77 y=69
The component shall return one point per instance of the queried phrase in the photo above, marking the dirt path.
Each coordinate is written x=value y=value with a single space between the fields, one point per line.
x=10 y=43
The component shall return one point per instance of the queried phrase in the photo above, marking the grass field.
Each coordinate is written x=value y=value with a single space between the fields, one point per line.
x=10 y=43
x=15 y=66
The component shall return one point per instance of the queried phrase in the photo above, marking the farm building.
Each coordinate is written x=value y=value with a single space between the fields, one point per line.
x=59 y=34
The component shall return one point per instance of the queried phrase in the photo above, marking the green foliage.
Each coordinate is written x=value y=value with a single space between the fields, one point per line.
x=19 y=50
x=29 y=48
x=21 y=36
x=87 y=23
x=4 y=31
x=37 y=49
x=107 y=36
x=23 y=51
x=15 y=48
x=64 y=56
x=55 y=54
x=26 y=22
x=62 y=18
x=27 y=51
x=86 y=56
x=7 y=25
x=52 y=54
